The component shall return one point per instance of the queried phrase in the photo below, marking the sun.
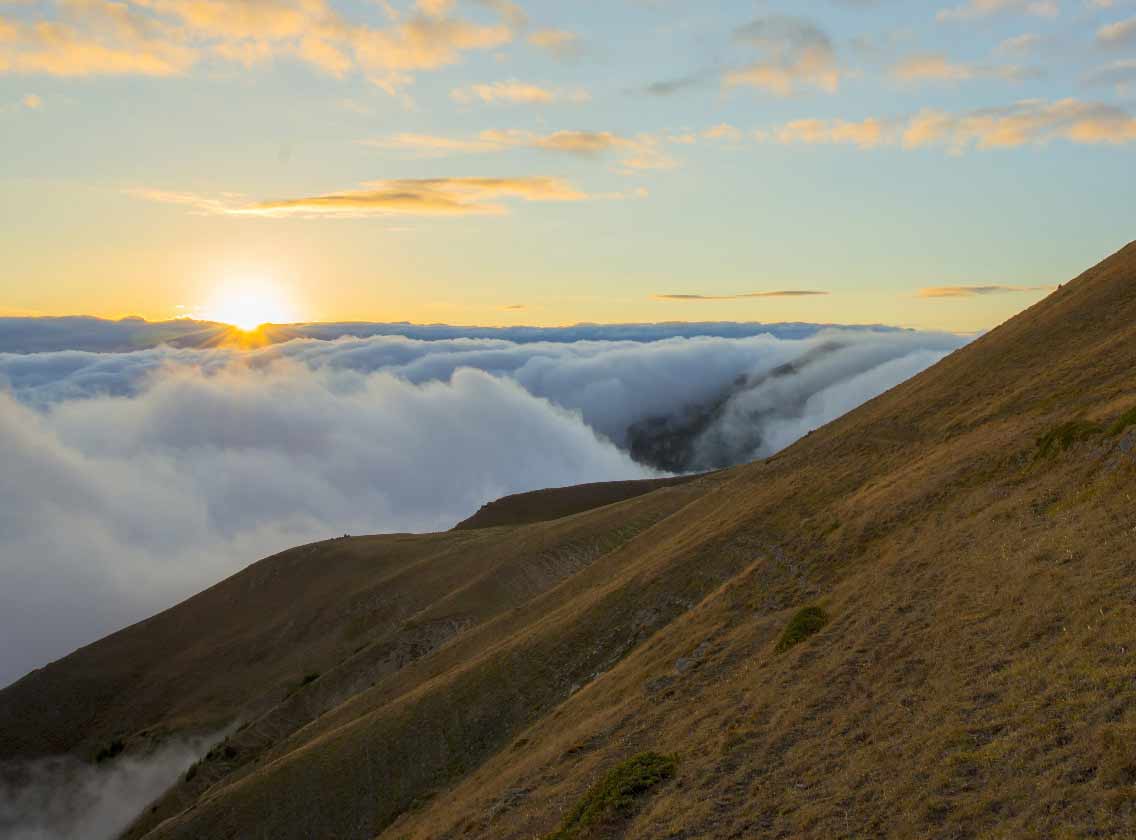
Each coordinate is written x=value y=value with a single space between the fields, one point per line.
x=249 y=304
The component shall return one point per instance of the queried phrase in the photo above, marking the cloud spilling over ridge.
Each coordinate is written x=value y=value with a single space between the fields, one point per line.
x=136 y=479
x=61 y=797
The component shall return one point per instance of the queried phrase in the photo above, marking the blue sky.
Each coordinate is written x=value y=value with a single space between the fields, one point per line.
x=548 y=163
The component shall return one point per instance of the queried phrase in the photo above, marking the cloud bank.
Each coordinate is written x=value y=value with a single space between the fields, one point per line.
x=61 y=797
x=136 y=479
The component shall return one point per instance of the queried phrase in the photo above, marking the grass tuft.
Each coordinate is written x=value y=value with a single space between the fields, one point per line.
x=1060 y=438
x=616 y=795
x=1122 y=422
x=802 y=625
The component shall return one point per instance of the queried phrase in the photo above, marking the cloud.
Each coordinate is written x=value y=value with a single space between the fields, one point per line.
x=976 y=9
x=1028 y=122
x=1023 y=123
x=515 y=92
x=559 y=42
x=977 y=291
x=173 y=468
x=722 y=131
x=1120 y=73
x=1119 y=34
x=412 y=196
x=61 y=797
x=795 y=53
x=785 y=293
x=1020 y=44
x=866 y=134
x=170 y=37
x=667 y=87
x=643 y=151
x=938 y=68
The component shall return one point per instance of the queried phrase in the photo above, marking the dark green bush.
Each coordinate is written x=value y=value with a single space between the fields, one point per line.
x=802 y=625
x=1060 y=438
x=1122 y=422
x=616 y=795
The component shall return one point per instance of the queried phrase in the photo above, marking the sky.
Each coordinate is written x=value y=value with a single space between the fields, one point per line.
x=939 y=165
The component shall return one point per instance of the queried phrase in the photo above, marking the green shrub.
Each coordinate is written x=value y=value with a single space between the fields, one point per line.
x=802 y=625
x=616 y=795
x=1060 y=438
x=1122 y=422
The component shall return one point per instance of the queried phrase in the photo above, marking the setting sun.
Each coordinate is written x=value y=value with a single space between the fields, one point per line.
x=250 y=304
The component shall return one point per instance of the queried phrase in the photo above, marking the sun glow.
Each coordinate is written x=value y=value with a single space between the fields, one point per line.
x=249 y=304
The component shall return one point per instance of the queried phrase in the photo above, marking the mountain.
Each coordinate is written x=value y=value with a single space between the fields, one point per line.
x=915 y=622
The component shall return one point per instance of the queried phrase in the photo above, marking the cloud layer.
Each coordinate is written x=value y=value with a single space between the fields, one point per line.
x=136 y=479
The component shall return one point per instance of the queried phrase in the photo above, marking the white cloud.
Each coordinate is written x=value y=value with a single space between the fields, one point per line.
x=132 y=480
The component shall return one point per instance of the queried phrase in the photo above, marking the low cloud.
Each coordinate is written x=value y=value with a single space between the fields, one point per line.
x=173 y=468
x=977 y=291
x=408 y=197
x=61 y=797
x=743 y=296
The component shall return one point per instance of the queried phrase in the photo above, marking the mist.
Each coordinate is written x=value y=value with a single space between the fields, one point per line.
x=62 y=798
x=133 y=480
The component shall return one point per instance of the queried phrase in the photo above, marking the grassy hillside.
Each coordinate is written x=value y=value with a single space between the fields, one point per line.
x=916 y=622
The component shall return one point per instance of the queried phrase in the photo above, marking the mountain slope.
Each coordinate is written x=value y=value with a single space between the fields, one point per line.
x=974 y=678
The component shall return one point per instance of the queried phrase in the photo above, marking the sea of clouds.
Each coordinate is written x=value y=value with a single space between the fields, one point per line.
x=133 y=479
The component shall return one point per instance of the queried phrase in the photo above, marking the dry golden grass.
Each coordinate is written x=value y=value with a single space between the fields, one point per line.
x=974 y=679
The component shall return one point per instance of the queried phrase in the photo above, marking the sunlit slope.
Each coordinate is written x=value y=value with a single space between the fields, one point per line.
x=974 y=679
x=976 y=676
x=977 y=644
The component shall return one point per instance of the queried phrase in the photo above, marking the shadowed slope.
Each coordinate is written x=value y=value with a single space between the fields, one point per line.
x=555 y=502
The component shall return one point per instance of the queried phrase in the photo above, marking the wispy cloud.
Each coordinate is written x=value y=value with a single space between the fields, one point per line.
x=1119 y=34
x=743 y=296
x=977 y=291
x=169 y=37
x=936 y=67
x=644 y=151
x=866 y=134
x=1028 y=122
x=561 y=43
x=414 y=197
x=795 y=53
x=975 y=9
x=514 y=92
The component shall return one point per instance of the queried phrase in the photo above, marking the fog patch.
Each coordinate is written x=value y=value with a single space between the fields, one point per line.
x=62 y=798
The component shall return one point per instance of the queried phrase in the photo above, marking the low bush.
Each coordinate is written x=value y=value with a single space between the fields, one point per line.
x=1122 y=422
x=616 y=795
x=1060 y=438
x=802 y=625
